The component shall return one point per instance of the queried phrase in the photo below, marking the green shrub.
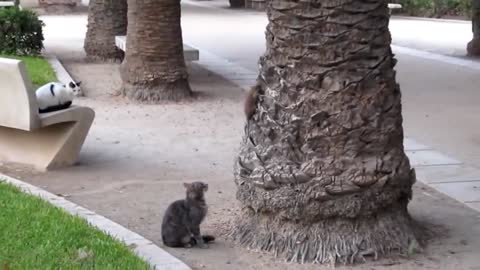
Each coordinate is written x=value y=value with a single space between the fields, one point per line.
x=435 y=8
x=465 y=6
x=415 y=7
x=20 y=32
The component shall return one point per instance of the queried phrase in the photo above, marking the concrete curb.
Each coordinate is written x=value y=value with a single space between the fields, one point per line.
x=463 y=62
x=413 y=18
x=240 y=76
x=144 y=248
x=62 y=73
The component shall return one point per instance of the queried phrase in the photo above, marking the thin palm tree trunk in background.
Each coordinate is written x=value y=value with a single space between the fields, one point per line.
x=473 y=47
x=154 y=68
x=106 y=19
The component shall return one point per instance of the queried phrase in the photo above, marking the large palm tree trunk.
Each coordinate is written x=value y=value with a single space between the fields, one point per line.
x=322 y=175
x=473 y=47
x=154 y=68
x=106 y=19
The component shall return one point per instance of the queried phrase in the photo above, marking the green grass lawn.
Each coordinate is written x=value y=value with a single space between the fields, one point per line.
x=36 y=235
x=38 y=69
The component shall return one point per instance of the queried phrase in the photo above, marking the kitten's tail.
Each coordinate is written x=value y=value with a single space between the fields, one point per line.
x=205 y=238
x=208 y=238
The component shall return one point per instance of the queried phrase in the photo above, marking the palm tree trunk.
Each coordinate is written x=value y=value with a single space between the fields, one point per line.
x=154 y=68
x=322 y=175
x=473 y=47
x=106 y=19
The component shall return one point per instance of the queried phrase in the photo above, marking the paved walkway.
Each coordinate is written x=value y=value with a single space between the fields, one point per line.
x=246 y=27
x=449 y=37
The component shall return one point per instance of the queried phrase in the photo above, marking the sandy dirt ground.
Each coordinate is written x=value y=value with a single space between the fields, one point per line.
x=136 y=158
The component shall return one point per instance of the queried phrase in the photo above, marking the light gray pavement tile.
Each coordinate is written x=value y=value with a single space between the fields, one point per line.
x=411 y=145
x=463 y=192
x=447 y=174
x=474 y=205
x=429 y=158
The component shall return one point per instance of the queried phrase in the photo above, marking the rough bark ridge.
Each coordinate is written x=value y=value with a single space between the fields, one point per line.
x=106 y=19
x=322 y=174
x=154 y=68
x=473 y=47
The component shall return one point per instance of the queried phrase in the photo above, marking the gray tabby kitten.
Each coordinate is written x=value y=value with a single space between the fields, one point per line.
x=181 y=222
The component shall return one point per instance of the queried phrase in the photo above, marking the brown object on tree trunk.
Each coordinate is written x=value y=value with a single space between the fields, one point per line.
x=251 y=101
x=154 y=67
x=322 y=174
x=106 y=19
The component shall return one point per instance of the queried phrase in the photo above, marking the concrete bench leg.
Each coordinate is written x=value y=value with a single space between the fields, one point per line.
x=46 y=148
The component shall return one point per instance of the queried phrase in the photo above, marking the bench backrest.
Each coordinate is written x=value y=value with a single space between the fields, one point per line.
x=18 y=104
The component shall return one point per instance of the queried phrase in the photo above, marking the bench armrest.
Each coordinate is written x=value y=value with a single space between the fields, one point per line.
x=72 y=114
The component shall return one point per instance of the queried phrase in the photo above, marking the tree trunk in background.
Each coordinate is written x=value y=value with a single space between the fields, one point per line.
x=437 y=7
x=106 y=19
x=473 y=47
x=154 y=68
x=322 y=174
x=237 y=3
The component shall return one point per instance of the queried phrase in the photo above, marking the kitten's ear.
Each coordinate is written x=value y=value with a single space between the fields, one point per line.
x=71 y=84
x=78 y=83
x=186 y=185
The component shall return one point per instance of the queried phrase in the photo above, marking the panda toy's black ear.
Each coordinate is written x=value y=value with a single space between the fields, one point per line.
x=71 y=84
x=78 y=83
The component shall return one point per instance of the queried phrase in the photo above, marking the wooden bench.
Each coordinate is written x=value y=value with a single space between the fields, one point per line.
x=45 y=141
x=190 y=54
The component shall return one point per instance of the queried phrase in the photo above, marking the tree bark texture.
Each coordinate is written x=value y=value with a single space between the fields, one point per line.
x=473 y=47
x=106 y=19
x=322 y=175
x=154 y=67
